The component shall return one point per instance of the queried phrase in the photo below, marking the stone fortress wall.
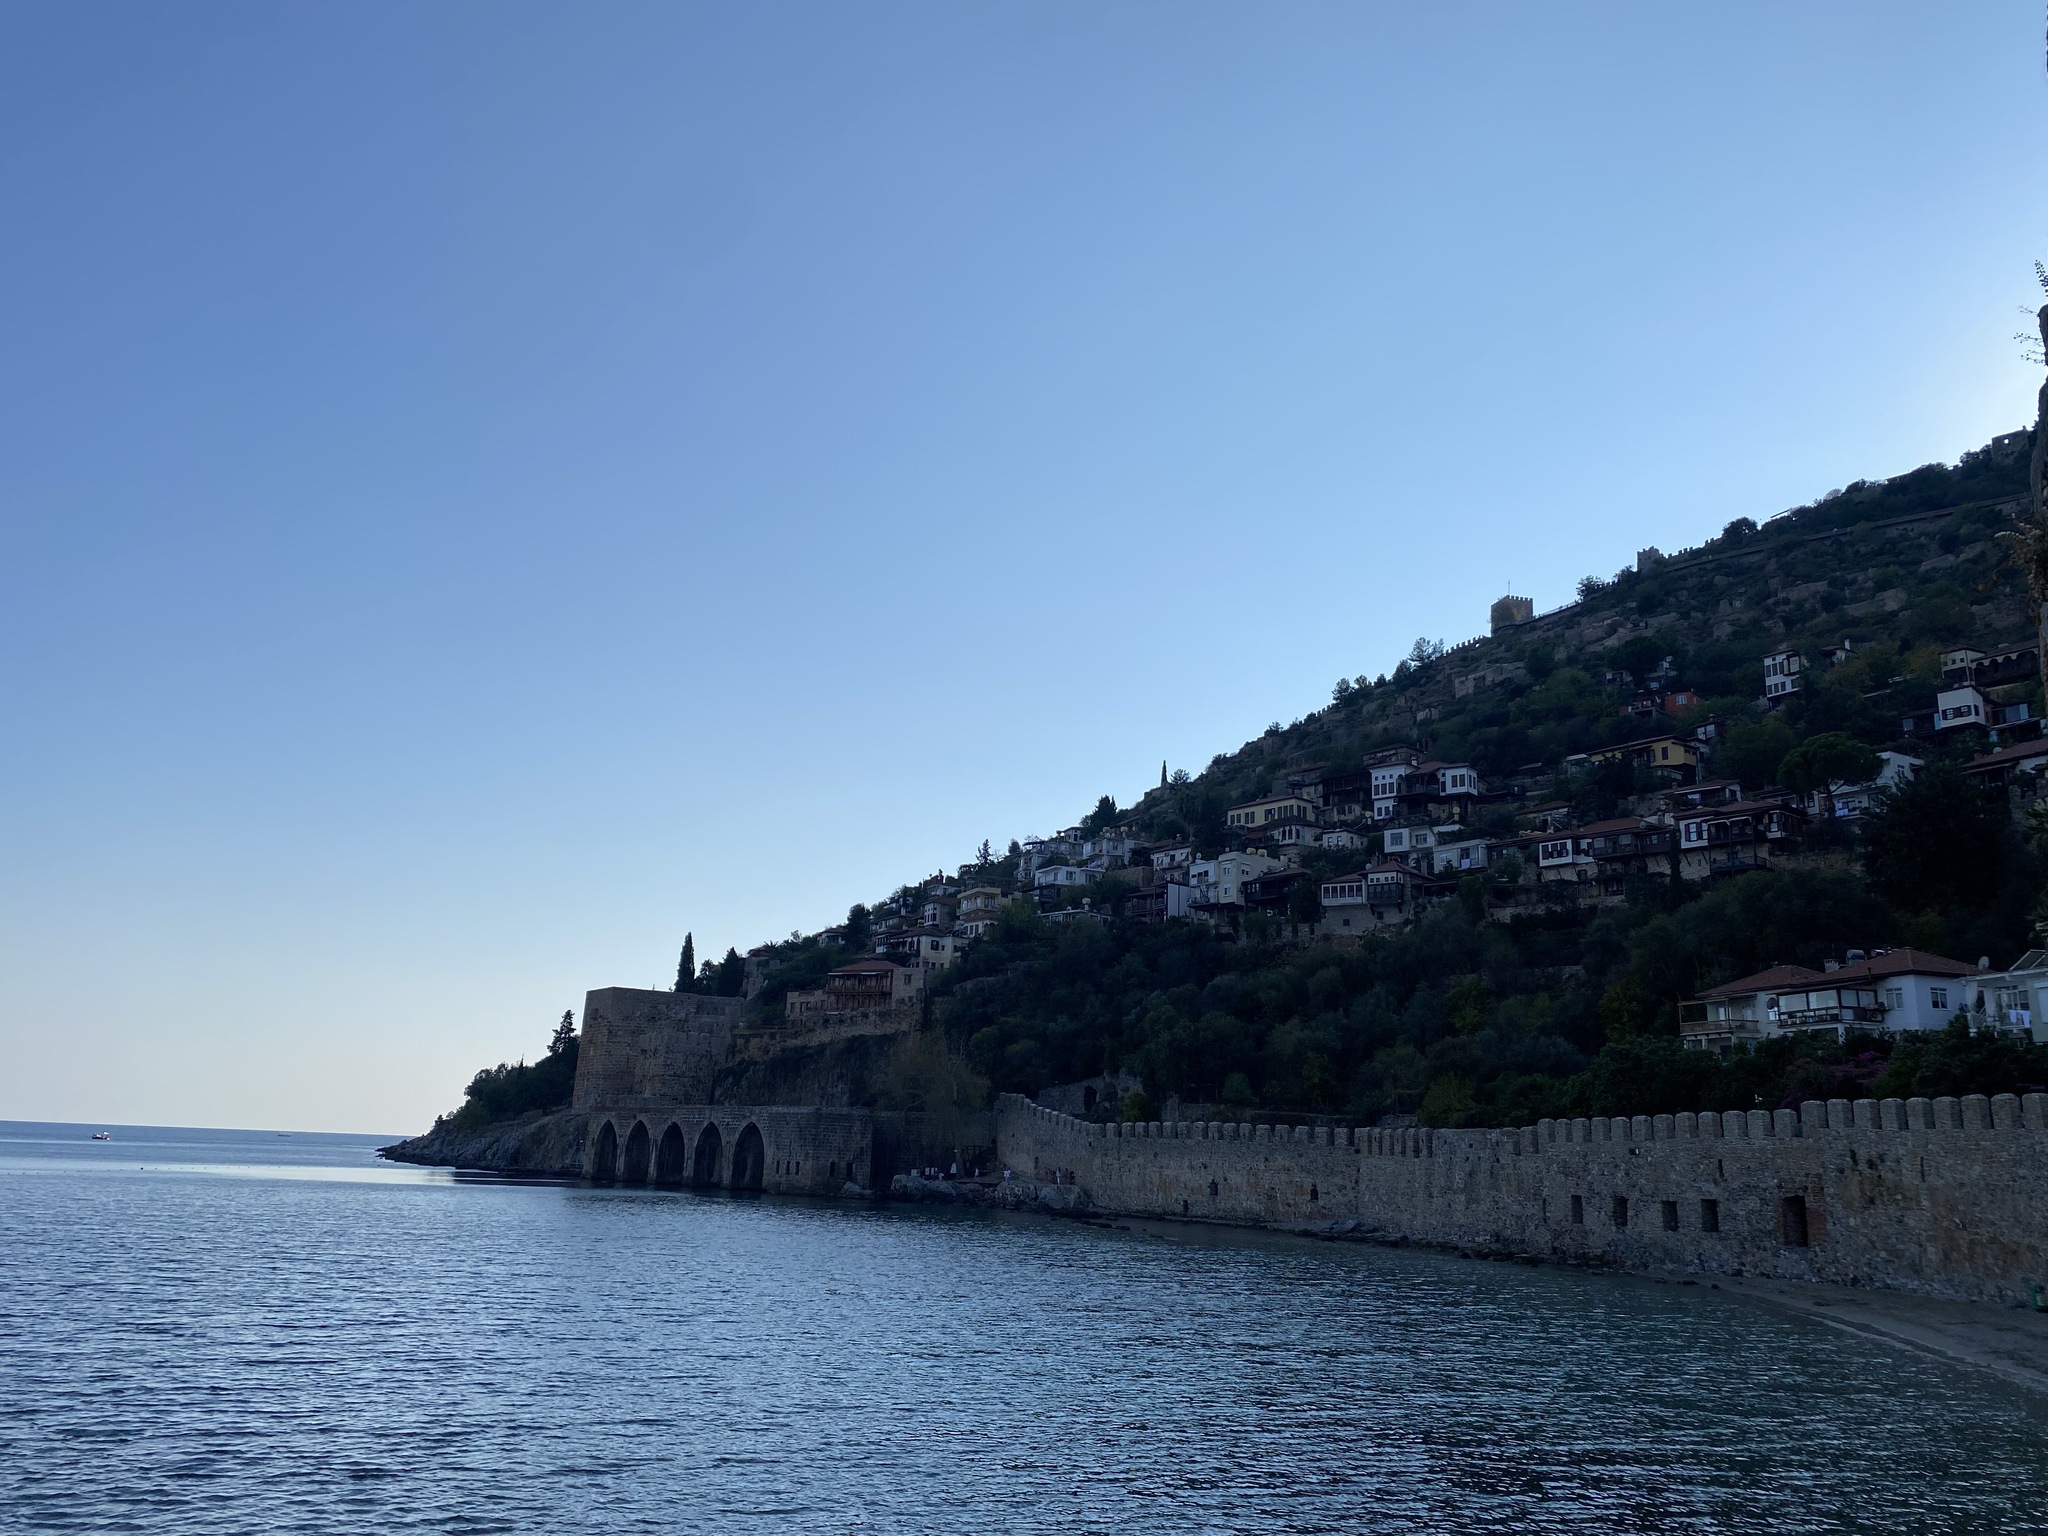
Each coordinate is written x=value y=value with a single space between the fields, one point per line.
x=1945 y=1197
x=776 y=1148
x=641 y=1046
x=646 y=1108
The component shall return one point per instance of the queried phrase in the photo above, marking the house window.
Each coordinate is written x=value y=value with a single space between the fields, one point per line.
x=1938 y=996
x=1895 y=997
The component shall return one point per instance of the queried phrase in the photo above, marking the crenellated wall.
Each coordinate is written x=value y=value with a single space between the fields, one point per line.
x=1946 y=1197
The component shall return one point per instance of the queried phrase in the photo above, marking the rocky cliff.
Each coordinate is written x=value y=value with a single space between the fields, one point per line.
x=535 y=1143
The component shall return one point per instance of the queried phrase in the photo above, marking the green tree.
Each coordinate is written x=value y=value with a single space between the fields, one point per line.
x=1934 y=842
x=1753 y=752
x=731 y=977
x=860 y=932
x=1833 y=757
x=1103 y=814
x=686 y=968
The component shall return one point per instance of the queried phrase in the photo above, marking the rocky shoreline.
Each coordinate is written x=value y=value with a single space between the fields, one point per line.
x=538 y=1143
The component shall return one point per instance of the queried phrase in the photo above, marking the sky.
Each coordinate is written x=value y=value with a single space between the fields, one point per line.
x=486 y=489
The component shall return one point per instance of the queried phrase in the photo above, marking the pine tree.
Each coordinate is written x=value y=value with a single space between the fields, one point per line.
x=565 y=1033
x=686 y=970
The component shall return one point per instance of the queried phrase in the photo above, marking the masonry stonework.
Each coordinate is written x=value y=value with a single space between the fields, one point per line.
x=645 y=1046
x=1946 y=1197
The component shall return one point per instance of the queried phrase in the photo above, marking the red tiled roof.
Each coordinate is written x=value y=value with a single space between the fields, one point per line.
x=1778 y=977
x=1903 y=962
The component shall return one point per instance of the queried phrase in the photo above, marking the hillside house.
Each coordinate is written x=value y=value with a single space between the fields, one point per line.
x=1371 y=898
x=1413 y=846
x=1891 y=991
x=2016 y=767
x=1220 y=881
x=1172 y=859
x=1273 y=891
x=1625 y=847
x=2013 y=1001
x=865 y=986
x=1781 y=675
x=1387 y=771
x=1161 y=901
x=1732 y=839
x=1692 y=797
x=1673 y=754
x=1255 y=815
x=1844 y=801
x=1061 y=877
x=980 y=899
x=1343 y=837
x=1458 y=854
x=1961 y=708
x=932 y=948
x=1107 y=849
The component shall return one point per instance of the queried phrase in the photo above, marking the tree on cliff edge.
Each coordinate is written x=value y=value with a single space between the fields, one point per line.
x=686 y=968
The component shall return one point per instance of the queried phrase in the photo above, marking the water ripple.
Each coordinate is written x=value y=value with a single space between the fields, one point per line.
x=225 y=1339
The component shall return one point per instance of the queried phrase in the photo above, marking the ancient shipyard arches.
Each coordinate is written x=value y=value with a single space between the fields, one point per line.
x=776 y=1149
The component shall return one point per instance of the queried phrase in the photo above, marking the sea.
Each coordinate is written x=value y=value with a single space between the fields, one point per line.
x=233 y=1331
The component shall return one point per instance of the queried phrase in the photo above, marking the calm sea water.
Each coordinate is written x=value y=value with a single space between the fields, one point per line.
x=221 y=1331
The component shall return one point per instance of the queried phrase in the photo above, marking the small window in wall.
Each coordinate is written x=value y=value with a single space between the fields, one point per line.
x=1938 y=996
x=1621 y=1210
x=1578 y=1210
x=1710 y=1215
x=1792 y=1221
x=1213 y=1191
x=1312 y=1194
x=1670 y=1213
x=833 y=1170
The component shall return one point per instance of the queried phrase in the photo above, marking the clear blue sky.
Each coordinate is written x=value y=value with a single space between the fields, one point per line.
x=485 y=488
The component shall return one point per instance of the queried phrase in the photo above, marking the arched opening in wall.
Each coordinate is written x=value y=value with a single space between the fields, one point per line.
x=749 y=1159
x=704 y=1163
x=604 y=1162
x=671 y=1158
x=639 y=1145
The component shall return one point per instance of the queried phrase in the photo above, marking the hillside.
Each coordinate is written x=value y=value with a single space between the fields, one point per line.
x=1499 y=995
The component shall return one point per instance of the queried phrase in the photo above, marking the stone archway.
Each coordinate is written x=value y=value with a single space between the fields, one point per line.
x=704 y=1165
x=604 y=1162
x=671 y=1159
x=639 y=1150
x=749 y=1159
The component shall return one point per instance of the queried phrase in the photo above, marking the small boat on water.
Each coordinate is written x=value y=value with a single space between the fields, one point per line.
x=101 y=1136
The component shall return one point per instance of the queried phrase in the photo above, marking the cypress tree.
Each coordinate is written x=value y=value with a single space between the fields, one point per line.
x=686 y=969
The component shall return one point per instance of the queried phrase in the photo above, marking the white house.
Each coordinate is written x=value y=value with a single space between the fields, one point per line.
x=1173 y=857
x=1847 y=801
x=1411 y=845
x=1220 y=880
x=1389 y=775
x=1564 y=856
x=1954 y=707
x=2014 y=1000
x=1055 y=876
x=1459 y=855
x=1893 y=990
x=1343 y=837
x=1254 y=814
x=1781 y=674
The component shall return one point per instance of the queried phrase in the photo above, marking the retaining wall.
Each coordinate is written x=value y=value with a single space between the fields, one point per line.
x=1947 y=1197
